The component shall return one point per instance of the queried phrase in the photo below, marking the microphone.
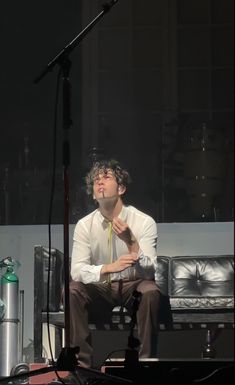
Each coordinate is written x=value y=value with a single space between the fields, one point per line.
x=108 y=6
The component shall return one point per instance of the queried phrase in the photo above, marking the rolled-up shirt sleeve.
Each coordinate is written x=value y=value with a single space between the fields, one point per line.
x=148 y=248
x=82 y=269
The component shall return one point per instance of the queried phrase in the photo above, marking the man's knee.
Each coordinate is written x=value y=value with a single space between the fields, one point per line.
x=78 y=292
x=76 y=287
x=152 y=298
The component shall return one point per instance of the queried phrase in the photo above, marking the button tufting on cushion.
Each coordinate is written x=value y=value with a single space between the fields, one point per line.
x=201 y=281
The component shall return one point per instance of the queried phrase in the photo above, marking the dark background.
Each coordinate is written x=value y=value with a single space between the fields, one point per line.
x=152 y=85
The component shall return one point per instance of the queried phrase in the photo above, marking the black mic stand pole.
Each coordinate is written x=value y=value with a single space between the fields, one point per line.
x=131 y=353
x=67 y=122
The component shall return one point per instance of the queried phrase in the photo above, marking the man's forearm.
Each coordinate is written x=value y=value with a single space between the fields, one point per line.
x=133 y=245
x=105 y=269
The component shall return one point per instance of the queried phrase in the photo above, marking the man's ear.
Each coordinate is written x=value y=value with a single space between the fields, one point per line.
x=121 y=189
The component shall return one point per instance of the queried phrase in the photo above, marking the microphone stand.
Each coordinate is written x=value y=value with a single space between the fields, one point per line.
x=67 y=360
x=131 y=354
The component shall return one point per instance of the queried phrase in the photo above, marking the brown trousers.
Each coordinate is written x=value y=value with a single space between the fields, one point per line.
x=92 y=300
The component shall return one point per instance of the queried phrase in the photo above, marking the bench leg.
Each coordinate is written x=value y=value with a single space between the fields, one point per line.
x=208 y=349
x=56 y=341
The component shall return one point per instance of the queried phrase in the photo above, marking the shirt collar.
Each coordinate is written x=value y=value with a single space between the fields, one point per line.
x=122 y=215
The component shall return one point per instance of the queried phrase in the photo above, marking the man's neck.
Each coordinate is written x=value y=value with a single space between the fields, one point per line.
x=110 y=208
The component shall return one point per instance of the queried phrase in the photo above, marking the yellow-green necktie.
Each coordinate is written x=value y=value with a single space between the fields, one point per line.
x=110 y=242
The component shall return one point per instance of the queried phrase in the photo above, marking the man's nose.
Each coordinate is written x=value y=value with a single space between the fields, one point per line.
x=101 y=180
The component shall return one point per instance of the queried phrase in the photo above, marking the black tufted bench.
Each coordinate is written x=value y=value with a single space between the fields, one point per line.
x=198 y=293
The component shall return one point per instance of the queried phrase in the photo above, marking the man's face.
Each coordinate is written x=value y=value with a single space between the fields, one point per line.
x=105 y=185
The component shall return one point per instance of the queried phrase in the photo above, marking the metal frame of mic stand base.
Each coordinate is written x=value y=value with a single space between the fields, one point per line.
x=67 y=360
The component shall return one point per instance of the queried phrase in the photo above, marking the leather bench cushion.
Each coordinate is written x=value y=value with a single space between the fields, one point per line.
x=41 y=267
x=161 y=275
x=201 y=281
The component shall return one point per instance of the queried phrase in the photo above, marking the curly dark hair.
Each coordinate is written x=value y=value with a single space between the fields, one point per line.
x=121 y=175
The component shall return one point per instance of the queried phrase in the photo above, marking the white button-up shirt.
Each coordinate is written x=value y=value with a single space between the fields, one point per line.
x=91 y=249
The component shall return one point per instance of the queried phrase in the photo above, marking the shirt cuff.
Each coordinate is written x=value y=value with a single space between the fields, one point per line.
x=140 y=254
x=98 y=272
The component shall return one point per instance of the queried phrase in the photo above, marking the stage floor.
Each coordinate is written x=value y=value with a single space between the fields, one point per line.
x=143 y=372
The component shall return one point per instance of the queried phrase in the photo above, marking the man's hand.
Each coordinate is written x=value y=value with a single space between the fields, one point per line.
x=123 y=231
x=122 y=263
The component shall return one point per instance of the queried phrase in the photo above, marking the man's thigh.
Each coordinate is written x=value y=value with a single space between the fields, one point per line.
x=142 y=286
x=95 y=297
x=145 y=285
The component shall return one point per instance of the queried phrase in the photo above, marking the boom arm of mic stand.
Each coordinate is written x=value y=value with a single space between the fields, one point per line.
x=69 y=47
